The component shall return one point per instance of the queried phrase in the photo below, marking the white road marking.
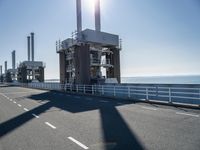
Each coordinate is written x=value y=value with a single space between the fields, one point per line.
x=26 y=109
x=14 y=102
x=187 y=114
x=78 y=143
x=36 y=116
x=19 y=105
x=11 y=100
x=149 y=108
x=52 y=126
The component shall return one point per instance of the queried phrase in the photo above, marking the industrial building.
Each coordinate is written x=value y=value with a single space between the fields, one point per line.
x=89 y=56
x=11 y=74
x=30 y=70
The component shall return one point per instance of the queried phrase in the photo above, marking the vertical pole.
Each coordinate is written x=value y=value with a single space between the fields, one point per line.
x=84 y=88
x=92 y=90
x=77 y=88
x=114 y=92
x=102 y=90
x=147 y=94
x=170 y=98
x=129 y=92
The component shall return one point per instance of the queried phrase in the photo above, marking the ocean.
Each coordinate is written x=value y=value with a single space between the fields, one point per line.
x=189 y=79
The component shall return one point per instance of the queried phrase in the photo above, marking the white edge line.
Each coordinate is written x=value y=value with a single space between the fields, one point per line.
x=25 y=109
x=36 y=116
x=77 y=142
x=149 y=108
x=52 y=126
x=180 y=113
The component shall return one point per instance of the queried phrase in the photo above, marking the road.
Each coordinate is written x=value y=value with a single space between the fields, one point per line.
x=32 y=119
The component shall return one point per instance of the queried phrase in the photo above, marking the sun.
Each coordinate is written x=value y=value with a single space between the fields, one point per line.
x=90 y=4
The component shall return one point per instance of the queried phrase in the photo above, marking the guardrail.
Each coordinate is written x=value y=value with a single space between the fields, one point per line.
x=167 y=93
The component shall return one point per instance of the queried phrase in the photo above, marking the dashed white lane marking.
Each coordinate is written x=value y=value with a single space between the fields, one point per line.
x=36 y=116
x=14 y=102
x=187 y=114
x=78 y=143
x=11 y=100
x=52 y=126
x=26 y=109
x=19 y=105
x=149 y=108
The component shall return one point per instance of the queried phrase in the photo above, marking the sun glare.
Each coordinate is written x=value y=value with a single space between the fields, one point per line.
x=90 y=4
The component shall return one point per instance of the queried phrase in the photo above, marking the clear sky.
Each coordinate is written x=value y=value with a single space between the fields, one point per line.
x=160 y=37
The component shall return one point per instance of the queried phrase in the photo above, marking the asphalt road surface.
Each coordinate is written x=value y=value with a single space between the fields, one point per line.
x=33 y=119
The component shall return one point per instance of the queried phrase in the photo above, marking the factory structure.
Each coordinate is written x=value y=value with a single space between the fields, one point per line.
x=27 y=71
x=30 y=70
x=89 y=56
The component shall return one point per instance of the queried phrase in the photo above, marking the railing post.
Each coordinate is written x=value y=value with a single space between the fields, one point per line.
x=71 y=87
x=77 y=88
x=170 y=96
x=129 y=92
x=102 y=90
x=147 y=94
x=92 y=90
x=114 y=91
x=84 y=88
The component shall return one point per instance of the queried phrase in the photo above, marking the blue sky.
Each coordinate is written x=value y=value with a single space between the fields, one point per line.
x=160 y=37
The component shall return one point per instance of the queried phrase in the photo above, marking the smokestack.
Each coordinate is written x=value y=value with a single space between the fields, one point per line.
x=13 y=59
x=32 y=45
x=29 y=47
x=0 y=70
x=79 y=15
x=5 y=67
x=97 y=16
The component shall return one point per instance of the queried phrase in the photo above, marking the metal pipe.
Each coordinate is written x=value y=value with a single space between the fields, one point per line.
x=29 y=47
x=13 y=59
x=97 y=16
x=79 y=15
x=32 y=45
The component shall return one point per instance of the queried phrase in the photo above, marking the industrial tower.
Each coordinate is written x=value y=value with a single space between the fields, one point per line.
x=31 y=70
x=89 y=56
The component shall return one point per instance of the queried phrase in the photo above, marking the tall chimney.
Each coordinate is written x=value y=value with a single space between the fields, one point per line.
x=0 y=70
x=32 y=45
x=5 y=67
x=29 y=48
x=79 y=15
x=97 y=16
x=13 y=59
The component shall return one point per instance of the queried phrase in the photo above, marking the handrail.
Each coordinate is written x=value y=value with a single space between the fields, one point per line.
x=186 y=95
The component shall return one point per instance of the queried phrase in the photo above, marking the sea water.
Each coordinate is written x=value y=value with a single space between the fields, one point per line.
x=189 y=79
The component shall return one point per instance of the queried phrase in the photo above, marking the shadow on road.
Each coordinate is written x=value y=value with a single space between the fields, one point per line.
x=117 y=134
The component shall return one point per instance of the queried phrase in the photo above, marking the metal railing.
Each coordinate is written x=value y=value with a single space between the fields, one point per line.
x=184 y=94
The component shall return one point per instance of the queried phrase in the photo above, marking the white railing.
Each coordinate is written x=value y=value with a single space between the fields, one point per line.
x=164 y=93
